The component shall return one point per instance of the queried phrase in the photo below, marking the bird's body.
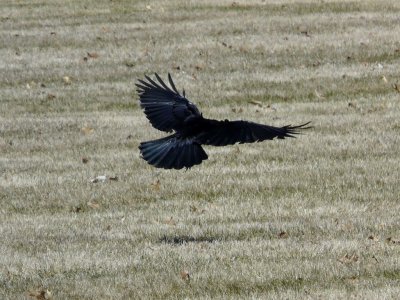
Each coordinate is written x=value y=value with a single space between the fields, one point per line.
x=169 y=111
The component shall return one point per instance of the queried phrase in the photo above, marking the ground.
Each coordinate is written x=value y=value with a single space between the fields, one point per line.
x=314 y=217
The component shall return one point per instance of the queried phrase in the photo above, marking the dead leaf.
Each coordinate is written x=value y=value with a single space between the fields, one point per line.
x=347 y=259
x=283 y=235
x=185 y=275
x=92 y=55
x=93 y=204
x=170 y=221
x=352 y=279
x=87 y=130
x=255 y=102
x=40 y=294
x=156 y=185
x=373 y=238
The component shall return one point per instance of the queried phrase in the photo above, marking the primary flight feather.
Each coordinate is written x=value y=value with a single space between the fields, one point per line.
x=170 y=111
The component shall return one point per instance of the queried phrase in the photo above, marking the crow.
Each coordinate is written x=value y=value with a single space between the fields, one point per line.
x=170 y=111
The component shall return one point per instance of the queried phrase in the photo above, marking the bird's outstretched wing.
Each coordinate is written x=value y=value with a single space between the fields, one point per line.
x=164 y=106
x=222 y=133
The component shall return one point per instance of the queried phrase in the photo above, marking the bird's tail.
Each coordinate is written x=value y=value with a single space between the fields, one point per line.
x=172 y=152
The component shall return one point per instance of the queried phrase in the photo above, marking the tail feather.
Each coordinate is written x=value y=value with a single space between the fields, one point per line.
x=163 y=153
x=172 y=152
x=170 y=162
x=152 y=149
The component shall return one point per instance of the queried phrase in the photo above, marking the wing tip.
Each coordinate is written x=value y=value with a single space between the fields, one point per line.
x=152 y=84
x=291 y=131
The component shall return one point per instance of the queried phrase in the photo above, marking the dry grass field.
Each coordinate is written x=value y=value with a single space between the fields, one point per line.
x=315 y=217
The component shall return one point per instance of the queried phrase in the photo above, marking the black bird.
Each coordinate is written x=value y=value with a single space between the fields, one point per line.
x=170 y=111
